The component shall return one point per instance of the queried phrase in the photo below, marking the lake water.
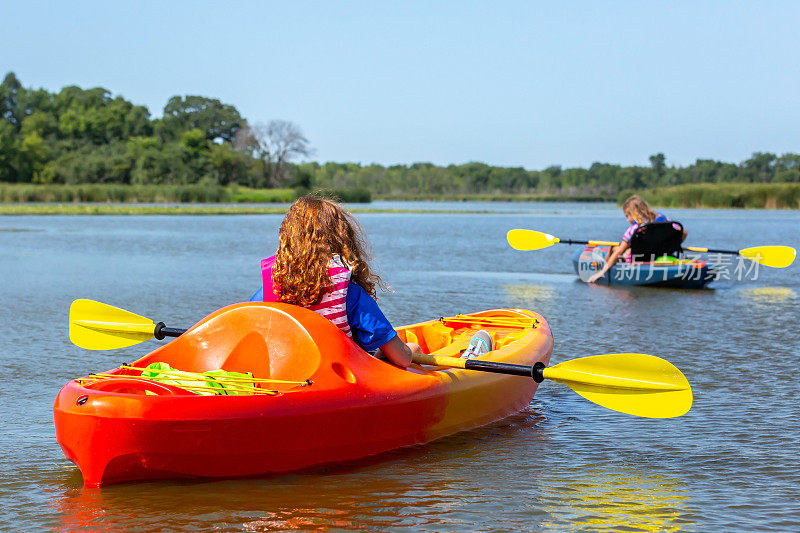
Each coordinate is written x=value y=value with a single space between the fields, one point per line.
x=731 y=463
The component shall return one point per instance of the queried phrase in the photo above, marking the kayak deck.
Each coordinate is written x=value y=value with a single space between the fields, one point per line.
x=333 y=402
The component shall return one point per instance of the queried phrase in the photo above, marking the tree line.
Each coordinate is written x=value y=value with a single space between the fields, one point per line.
x=78 y=136
x=81 y=136
x=603 y=180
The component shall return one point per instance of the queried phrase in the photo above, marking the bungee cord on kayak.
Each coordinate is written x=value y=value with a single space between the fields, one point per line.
x=222 y=388
x=514 y=323
x=229 y=378
x=214 y=382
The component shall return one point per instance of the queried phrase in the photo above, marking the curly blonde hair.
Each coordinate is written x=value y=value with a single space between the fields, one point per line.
x=639 y=210
x=313 y=231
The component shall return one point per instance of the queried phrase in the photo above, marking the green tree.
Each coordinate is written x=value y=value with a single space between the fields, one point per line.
x=760 y=167
x=8 y=152
x=229 y=165
x=40 y=122
x=10 y=93
x=217 y=120
x=32 y=156
x=147 y=157
x=194 y=140
x=658 y=164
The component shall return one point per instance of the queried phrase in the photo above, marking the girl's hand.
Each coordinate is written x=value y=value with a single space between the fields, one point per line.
x=398 y=352
x=414 y=347
x=596 y=277
x=610 y=261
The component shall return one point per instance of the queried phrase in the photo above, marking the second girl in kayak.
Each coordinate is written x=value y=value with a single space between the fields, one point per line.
x=638 y=213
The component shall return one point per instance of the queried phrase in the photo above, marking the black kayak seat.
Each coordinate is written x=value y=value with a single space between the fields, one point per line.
x=654 y=239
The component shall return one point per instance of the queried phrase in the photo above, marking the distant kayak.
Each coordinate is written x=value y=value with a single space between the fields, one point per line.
x=670 y=272
x=256 y=389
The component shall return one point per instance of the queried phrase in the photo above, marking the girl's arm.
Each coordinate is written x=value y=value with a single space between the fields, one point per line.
x=398 y=352
x=618 y=251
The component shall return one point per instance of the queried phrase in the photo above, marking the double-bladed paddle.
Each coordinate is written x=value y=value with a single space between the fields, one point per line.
x=771 y=256
x=632 y=383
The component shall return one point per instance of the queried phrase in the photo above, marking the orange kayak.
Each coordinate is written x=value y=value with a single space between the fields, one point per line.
x=324 y=399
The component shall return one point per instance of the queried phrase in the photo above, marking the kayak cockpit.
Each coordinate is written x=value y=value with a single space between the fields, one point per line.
x=451 y=335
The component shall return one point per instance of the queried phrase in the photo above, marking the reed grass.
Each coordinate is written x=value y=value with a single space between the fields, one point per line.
x=115 y=193
x=198 y=193
x=242 y=195
x=492 y=197
x=100 y=192
x=185 y=209
x=132 y=209
x=724 y=195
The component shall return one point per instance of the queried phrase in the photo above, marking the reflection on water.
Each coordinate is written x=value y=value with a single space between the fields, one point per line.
x=521 y=276
x=769 y=295
x=295 y=502
x=596 y=498
x=529 y=296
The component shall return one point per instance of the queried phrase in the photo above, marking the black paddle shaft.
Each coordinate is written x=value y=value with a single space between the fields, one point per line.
x=535 y=371
x=708 y=250
x=162 y=331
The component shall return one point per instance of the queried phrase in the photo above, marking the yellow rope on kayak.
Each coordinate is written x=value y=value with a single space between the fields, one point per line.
x=506 y=321
x=191 y=387
x=182 y=373
x=197 y=389
x=194 y=381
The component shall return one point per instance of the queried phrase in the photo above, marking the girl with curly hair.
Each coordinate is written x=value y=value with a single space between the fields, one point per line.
x=321 y=264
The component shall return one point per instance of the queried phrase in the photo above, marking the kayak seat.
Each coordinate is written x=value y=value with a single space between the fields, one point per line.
x=262 y=339
x=655 y=239
x=508 y=339
x=430 y=337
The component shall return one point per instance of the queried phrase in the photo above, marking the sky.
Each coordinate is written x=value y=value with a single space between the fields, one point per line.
x=526 y=83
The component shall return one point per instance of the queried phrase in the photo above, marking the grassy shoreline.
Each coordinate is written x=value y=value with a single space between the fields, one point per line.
x=17 y=199
x=127 y=209
x=184 y=194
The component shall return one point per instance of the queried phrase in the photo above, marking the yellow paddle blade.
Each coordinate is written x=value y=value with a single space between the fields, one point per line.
x=771 y=256
x=632 y=383
x=527 y=239
x=98 y=326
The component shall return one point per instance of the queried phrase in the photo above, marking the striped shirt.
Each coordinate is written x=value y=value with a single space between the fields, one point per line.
x=333 y=304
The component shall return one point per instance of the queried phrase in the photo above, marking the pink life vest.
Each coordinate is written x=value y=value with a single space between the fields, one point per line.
x=333 y=304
